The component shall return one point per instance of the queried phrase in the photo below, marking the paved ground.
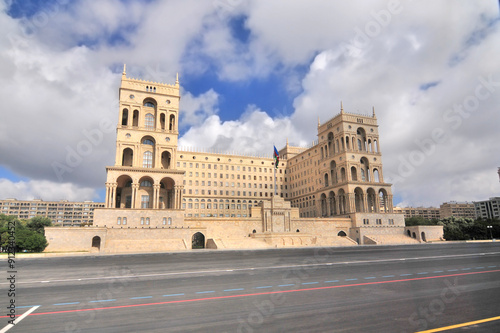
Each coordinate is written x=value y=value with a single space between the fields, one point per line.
x=358 y=289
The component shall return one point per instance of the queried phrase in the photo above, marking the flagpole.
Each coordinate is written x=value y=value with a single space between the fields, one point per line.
x=275 y=189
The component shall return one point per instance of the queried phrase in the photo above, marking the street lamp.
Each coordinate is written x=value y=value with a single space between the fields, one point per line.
x=491 y=234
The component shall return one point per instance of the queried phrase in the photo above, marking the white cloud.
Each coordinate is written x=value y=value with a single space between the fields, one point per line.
x=195 y=109
x=45 y=190
x=60 y=80
x=254 y=133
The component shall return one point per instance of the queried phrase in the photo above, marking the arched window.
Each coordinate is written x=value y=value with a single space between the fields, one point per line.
x=354 y=174
x=162 y=121
x=147 y=159
x=376 y=176
x=172 y=123
x=363 y=176
x=125 y=117
x=135 y=119
x=148 y=142
x=146 y=183
x=149 y=104
x=150 y=121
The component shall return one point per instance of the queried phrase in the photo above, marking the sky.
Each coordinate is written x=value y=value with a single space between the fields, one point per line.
x=252 y=74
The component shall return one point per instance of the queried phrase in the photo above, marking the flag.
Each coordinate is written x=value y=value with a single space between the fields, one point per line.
x=276 y=157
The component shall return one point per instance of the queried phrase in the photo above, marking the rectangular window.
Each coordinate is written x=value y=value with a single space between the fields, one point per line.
x=119 y=220
x=142 y=220
x=124 y=220
x=145 y=201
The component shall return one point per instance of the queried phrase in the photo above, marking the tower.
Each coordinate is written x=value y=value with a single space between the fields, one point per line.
x=144 y=175
x=350 y=167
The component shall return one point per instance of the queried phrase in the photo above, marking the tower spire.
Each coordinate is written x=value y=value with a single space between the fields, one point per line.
x=319 y=123
x=341 y=107
x=177 y=79
x=124 y=69
x=373 y=108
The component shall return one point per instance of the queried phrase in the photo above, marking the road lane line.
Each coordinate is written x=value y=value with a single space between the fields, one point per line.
x=141 y=297
x=205 y=292
x=370 y=277
x=332 y=281
x=18 y=320
x=440 y=329
x=27 y=306
x=70 y=303
x=234 y=289
x=262 y=293
x=262 y=268
x=263 y=287
x=310 y=282
x=173 y=295
x=286 y=285
x=387 y=276
x=350 y=279
x=103 y=300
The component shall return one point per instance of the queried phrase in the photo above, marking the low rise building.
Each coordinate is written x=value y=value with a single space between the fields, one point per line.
x=488 y=209
x=457 y=209
x=64 y=213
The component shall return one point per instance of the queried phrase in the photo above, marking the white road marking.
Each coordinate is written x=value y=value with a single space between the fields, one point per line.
x=261 y=268
x=18 y=320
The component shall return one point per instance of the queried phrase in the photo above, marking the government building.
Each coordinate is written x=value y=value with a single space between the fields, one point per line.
x=160 y=197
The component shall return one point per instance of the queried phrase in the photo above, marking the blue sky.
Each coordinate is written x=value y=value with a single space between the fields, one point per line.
x=253 y=74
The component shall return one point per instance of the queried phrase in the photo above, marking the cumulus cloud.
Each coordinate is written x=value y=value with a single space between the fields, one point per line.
x=195 y=109
x=420 y=66
x=45 y=190
x=253 y=133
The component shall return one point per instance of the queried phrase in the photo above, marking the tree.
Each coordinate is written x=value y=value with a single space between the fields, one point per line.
x=38 y=223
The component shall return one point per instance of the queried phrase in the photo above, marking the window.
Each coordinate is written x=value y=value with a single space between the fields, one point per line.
x=146 y=183
x=124 y=220
x=142 y=220
x=148 y=142
x=147 y=159
x=145 y=201
x=149 y=121
x=147 y=220
x=149 y=104
x=119 y=220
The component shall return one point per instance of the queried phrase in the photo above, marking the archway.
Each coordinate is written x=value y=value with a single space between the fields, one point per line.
x=408 y=232
x=96 y=242
x=414 y=235
x=342 y=234
x=198 y=241
x=423 y=236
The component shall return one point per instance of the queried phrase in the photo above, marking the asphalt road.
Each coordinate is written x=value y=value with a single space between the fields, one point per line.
x=356 y=289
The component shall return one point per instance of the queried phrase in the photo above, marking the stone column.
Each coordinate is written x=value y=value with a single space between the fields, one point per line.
x=156 y=193
x=107 y=196
x=365 y=203
x=113 y=195
x=135 y=187
x=389 y=204
x=351 y=203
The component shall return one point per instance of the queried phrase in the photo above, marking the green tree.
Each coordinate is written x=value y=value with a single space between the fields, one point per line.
x=38 y=224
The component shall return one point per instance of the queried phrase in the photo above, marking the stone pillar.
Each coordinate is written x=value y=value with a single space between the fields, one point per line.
x=135 y=187
x=351 y=203
x=365 y=203
x=156 y=195
x=337 y=205
x=107 y=196
x=389 y=204
x=113 y=195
